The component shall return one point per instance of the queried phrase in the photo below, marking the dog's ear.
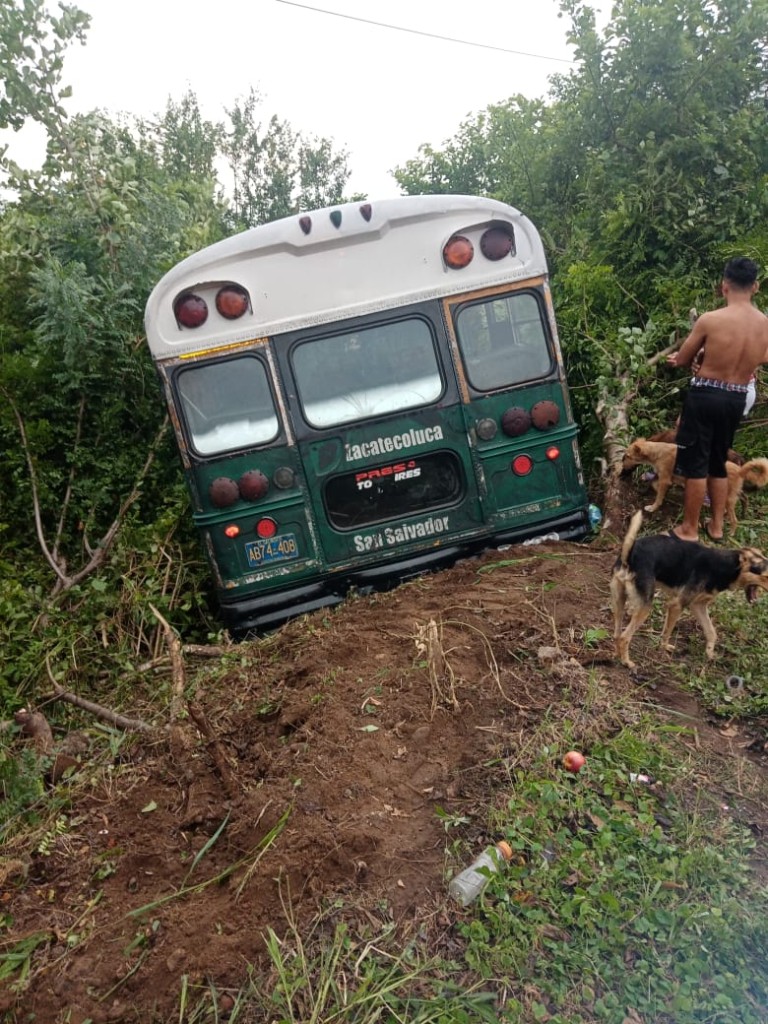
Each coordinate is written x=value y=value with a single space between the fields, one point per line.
x=754 y=561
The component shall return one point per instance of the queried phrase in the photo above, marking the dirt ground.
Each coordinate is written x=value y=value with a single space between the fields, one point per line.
x=335 y=745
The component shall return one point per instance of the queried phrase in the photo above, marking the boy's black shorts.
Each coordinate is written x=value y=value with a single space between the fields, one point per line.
x=708 y=424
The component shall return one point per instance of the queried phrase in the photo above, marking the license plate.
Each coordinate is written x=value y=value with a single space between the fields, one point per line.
x=273 y=549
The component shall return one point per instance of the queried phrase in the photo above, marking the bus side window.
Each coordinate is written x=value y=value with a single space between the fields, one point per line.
x=227 y=405
x=503 y=341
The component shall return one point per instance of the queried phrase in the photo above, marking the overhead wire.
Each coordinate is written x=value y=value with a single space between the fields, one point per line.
x=419 y=32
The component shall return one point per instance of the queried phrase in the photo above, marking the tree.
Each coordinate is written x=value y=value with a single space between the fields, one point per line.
x=32 y=47
x=275 y=170
x=645 y=168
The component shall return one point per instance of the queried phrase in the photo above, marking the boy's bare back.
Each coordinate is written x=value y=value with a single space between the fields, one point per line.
x=735 y=340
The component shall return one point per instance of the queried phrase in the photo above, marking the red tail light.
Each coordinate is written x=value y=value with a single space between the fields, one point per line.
x=266 y=528
x=553 y=453
x=522 y=465
x=253 y=485
x=515 y=421
x=496 y=243
x=190 y=310
x=223 y=492
x=232 y=530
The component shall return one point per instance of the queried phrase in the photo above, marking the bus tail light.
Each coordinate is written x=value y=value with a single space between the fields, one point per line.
x=266 y=528
x=486 y=429
x=545 y=415
x=232 y=301
x=522 y=465
x=223 y=492
x=190 y=310
x=253 y=485
x=515 y=421
x=232 y=531
x=284 y=478
x=553 y=453
x=458 y=252
x=496 y=243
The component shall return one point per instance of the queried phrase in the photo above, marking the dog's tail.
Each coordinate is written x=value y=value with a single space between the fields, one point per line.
x=630 y=537
x=756 y=471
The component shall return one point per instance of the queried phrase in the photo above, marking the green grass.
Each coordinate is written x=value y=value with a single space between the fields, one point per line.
x=742 y=628
x=625 y=902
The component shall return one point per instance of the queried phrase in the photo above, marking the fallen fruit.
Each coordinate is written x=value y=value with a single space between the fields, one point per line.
x=574 y=761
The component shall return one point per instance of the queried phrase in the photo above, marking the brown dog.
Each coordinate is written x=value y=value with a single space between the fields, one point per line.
x=692 y=573
x=670 y=437
x=662 y=457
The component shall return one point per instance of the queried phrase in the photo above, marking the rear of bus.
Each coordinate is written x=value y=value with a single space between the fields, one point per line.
x=364 y=393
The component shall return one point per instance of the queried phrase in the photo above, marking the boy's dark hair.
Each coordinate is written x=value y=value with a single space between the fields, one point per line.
x=741 y=271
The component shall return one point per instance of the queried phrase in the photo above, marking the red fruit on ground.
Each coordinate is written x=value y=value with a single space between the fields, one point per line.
x=574 y=761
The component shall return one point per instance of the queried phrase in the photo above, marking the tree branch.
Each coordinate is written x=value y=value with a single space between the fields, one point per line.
x=178 y=675
x=104 y=545
x=62 y=578
x=100 y=712
x=71 y=480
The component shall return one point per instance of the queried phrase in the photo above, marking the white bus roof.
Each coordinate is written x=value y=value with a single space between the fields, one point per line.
x=356 y=258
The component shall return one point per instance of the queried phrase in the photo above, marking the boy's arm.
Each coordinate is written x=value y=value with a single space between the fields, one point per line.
x=692 y=344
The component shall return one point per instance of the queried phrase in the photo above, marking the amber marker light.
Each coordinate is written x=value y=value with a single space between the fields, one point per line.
x=266 y=528
x=458 y=252
x=522 y=465
x=190 y=310
x=232 y=530
x=232 y=301
x=553 y=453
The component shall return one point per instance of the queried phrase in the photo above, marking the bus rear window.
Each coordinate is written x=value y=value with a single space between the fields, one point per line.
x=357 y=375
x=394 y=490
x=503 y=341
x=227 y=405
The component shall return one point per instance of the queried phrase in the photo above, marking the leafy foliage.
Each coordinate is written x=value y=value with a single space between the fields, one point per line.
x=621 y=895
x=645 y=170
x=116 y=204
x=276 y=171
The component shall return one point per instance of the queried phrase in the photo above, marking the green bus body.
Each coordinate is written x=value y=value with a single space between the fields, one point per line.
x=371 y=440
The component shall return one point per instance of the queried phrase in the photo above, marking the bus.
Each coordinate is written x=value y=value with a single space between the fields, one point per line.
x=362 y=394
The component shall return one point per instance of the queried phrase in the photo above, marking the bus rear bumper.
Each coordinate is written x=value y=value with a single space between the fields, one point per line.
x=570 y=527
x=256 y=615
x=404 y=569
x=260 y=614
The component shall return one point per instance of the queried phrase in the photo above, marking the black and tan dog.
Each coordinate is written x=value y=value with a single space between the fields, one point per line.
x=662 y=456
x=692 y=574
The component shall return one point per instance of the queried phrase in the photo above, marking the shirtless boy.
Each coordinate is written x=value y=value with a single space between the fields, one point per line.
x=733 y=342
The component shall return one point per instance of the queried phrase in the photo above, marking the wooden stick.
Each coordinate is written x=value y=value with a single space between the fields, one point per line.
x=219 y=758
x=178 y=675
x=105 y=714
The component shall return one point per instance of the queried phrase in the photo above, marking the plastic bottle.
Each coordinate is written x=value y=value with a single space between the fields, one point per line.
x=595 y=516
x=469 y=883
x=540 y=540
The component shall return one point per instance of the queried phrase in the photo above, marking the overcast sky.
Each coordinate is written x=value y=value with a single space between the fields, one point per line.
x=377 y=92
